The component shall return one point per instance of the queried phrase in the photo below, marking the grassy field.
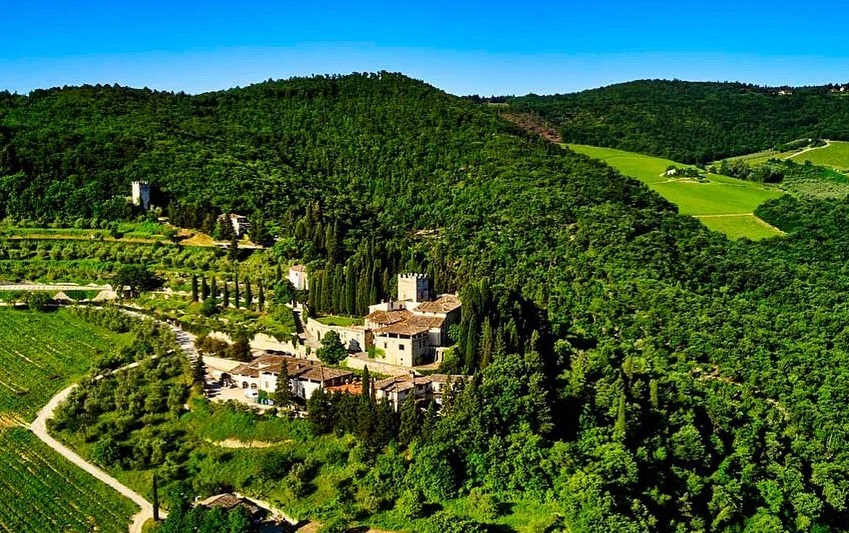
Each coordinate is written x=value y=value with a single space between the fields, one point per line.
x=835 y=155
x=41 y=353
x=733 y=199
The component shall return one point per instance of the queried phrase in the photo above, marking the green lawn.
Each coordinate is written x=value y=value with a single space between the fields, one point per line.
x=720 y=195
x=835 y=155
x=342 y=321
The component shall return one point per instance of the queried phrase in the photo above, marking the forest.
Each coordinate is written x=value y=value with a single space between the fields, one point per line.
x=692 y=122
x=632 y=369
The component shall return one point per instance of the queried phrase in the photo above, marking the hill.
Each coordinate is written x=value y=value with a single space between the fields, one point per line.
x=633 y=370
x=692 y=122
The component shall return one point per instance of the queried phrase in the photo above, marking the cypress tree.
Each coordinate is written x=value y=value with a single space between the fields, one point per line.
x=225 y=296
x=213 y=289
x=366 y=382
x=204 y=289
x=194 y=287
x=282 y=394
x=198 y=371
x=261 y=296
x=155 y=491
x=430 y=419
x=621 y=424
x=249 y=297
x=350 y=289
x=278 y=274
x=236 y=290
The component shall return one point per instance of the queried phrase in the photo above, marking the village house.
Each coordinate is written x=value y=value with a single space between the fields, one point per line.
x=305 y=377
x=298 y=277
x=397 y=389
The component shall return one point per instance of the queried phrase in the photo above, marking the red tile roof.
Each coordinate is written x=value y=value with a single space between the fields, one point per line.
x=442 y=305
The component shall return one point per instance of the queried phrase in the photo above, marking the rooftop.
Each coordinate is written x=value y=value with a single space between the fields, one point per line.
x=389 y=317
x=298 y=268
x=405 y=329
x=297 y=368
x=228 y=501
x=442 y=305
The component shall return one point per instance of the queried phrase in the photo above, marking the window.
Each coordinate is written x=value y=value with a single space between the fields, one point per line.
x=400 y=346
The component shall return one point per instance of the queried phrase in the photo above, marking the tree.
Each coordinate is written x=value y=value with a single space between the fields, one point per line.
x=249 y=297
x=136 y=278
x=240 y=350
x=155 y=491
x=213 y=290
x=225 y=295
x=282 y=394
x=194 y=287
x=366 y=382
x=198 y=371
x=36 y=300
x=236 y=290
x=332 y=350
x=411 y=422
x=204 y=289
x=284 y=292
x=261 y=297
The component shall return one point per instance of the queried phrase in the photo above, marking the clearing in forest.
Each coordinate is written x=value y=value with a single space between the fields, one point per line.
x=721 y=203
x=835 y=155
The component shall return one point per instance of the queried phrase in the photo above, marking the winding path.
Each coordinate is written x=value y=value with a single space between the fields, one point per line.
x=39 y=429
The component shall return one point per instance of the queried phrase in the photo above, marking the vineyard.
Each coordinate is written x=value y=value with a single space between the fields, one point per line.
x=41 y=353
x=45 y=493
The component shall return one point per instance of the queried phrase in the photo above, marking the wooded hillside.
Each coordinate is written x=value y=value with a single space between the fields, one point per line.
x=693 y=122
x=635 y=370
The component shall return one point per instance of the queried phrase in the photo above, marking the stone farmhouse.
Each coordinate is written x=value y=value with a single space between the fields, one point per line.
x=413 y=330
x=305 y=377
x=409 y=331
x=397 y=389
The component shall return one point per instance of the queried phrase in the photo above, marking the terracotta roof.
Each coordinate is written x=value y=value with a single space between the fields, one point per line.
x=395 y=383
x=350 y=388
x=298 y=268
x=430 y=322
x=406 y=329
x=297 y=368
x=442 y=305
x=388 y=317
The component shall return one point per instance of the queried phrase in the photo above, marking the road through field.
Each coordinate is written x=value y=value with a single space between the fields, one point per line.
x=39 y=428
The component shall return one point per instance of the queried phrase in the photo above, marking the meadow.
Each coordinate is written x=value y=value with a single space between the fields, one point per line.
x=40 y=354
x=835 y=155
x=721 y=203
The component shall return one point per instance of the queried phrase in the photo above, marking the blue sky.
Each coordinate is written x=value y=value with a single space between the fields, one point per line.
x=463 y=47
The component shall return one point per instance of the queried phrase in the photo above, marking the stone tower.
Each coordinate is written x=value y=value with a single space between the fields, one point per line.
x=141 y=194
x=413 y=287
